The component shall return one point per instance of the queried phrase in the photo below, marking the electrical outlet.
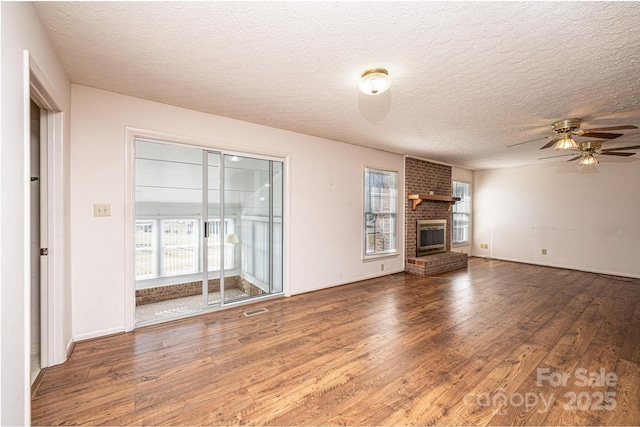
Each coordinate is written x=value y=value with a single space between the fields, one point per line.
x=101 y=209
x=484 y=246
x=544 y=252
x=381 y=267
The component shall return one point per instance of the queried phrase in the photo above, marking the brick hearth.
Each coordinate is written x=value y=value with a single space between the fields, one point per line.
x=436 y=263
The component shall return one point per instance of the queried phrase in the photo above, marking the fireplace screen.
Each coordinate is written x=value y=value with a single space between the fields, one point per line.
x=431 y=236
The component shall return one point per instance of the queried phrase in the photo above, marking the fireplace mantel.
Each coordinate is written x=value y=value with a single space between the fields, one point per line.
x=416 y=199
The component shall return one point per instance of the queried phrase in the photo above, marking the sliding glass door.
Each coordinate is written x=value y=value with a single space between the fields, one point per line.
x=208 y=229
x=250 y=187
x=168 y=204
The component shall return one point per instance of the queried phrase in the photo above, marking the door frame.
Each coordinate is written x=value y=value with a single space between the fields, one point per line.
x=53 y=349
x=222 y=147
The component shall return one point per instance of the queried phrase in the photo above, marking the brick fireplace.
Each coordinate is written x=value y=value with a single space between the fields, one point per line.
x=423 y=177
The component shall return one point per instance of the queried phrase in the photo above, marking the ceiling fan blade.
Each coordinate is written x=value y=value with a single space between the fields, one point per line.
x=550 y=143
x=559 y=155
x=631 y=147
x=575 y=158
x=612 y=128
x=604 y=153
x=525 y=142
x=590 y=134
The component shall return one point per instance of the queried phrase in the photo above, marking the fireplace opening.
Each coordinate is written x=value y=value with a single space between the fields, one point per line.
x=431 y=236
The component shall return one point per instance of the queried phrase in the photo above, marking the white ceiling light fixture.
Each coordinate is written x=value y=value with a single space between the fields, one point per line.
x=374 y=81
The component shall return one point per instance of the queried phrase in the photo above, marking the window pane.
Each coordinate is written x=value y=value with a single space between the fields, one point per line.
x=179 y=247
x=145 y=249
x=461 y=213
x=214 y=244
x=380 y=205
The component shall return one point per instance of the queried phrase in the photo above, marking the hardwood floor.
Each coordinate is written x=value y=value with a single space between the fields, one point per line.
x=483 y=346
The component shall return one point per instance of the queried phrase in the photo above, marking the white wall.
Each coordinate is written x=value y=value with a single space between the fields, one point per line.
x=21 y=29
x=325 y=217
x=586 y=221
x=463 y=175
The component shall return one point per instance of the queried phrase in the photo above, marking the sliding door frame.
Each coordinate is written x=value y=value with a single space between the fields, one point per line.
x=208 y=146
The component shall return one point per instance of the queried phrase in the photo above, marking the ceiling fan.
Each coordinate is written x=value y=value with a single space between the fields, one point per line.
x=588 y=150
x=565 y=129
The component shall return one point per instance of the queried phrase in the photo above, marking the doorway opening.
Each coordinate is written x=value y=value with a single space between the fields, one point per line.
x=208 y=229
x=37 y=217
x=48 y=334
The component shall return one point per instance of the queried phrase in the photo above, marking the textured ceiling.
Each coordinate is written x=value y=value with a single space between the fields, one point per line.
x=468 y=78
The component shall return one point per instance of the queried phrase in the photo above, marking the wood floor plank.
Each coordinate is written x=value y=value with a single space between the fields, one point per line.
x=631 y=347
x=627 y=398
x=574 y=342
x=395 y=350
x=528 y=404
x=479 y=404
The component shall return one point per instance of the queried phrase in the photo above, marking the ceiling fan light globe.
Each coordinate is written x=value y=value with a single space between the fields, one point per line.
x=588 y=160
x=566 y=143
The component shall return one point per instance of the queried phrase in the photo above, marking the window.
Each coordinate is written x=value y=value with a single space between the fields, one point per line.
x=169 y=247
x=145 y=249
x=179 y=243
x=380 y=211
x=461 y=213
x=214 y=245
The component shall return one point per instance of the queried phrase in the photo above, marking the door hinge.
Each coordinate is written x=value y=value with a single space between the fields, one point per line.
x=44 y=251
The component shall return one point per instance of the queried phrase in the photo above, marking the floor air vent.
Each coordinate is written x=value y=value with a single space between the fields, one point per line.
x=254 y=312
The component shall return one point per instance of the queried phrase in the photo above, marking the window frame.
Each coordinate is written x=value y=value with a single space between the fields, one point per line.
x=468 y=213
x=394 y=214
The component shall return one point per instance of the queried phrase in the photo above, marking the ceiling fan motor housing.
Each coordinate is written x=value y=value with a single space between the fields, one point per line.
x=566 y=126
x=590 y=145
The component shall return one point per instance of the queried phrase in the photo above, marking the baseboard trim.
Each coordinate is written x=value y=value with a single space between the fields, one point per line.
x=564 y=267
x=98 y=334
x=71 y=345
x=37 y=382
x=346 y=282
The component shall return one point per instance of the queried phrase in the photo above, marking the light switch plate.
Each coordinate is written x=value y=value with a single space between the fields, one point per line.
x=101 y=209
